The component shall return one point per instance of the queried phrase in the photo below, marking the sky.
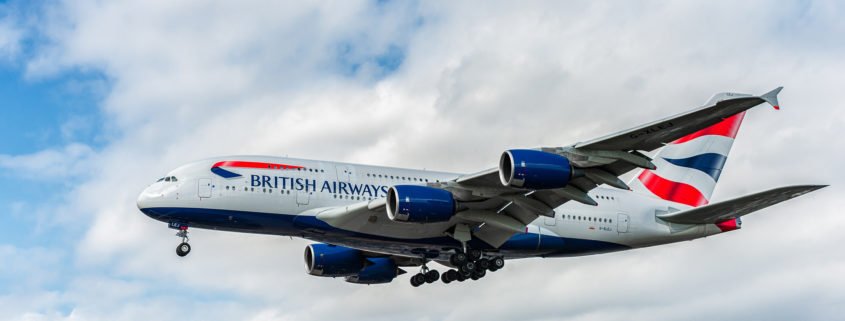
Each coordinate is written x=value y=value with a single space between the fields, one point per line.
x=100 y=98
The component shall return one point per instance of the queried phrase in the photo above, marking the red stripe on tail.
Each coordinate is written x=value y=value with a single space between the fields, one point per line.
x=727 y=127
x=672 y=191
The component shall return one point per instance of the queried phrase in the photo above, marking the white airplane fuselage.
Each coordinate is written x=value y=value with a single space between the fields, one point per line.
x=286 y=201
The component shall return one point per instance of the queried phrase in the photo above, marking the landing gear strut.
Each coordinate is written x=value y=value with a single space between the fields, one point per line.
x=183 y=248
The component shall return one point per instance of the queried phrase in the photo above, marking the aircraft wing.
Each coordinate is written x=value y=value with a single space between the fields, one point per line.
x=495 y=211
x=738 y=207
x=655 y=134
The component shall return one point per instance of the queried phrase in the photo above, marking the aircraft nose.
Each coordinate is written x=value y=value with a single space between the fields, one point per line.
x=143 y=200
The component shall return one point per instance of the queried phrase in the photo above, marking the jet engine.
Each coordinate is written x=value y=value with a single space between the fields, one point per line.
x=419 y=204
x=379 y=270
x=332 y=260
x=533 y=169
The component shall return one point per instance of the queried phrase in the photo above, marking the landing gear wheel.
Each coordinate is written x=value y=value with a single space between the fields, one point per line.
x=468 y=267
x=483 y=264
x=474 y=255
x=458 y=259
x=183 y=249
x=478 y=274
x=497 y=263
x=432 y=276
x=452 y=275
x=418 y=279
x=446 y=277
x=460 y=277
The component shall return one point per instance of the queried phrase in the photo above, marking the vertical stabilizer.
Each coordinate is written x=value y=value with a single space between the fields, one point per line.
x=689 y=167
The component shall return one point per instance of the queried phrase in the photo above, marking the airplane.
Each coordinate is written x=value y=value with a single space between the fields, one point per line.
x=370 y=222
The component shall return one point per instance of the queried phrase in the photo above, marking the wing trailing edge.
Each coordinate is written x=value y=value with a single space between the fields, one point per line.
x=721 y=211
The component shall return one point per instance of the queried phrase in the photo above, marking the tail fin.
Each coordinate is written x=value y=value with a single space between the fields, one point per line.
x=688 y=168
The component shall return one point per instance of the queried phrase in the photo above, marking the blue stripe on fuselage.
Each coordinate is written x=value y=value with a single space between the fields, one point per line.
x=310 y=227
x=710 y=163
x=224 y=173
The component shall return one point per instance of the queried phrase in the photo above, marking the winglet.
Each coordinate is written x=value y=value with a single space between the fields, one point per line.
x=772 y=97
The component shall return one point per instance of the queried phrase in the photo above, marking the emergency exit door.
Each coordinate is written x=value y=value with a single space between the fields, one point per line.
x=622 y=222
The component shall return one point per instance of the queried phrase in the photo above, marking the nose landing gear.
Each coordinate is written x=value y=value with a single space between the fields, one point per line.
x=183 y=248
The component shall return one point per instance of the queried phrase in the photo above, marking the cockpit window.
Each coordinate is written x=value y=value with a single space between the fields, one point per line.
x=167 y=179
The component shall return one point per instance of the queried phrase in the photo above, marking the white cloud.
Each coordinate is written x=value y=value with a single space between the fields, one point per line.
x=10 y=37
x=49 y=163
x=196 y=79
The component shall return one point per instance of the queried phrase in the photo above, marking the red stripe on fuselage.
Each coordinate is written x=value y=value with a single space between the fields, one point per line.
x=672 y=191
x=727 y=127
x=243 y=164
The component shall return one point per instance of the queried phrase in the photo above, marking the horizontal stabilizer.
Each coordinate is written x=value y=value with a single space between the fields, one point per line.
x=737 y=207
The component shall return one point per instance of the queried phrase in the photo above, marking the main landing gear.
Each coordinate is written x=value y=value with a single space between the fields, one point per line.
x=471 y=265
x=425 y=276
x=183 y=248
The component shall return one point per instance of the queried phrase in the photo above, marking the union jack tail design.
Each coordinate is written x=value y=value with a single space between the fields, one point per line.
x=688 y=168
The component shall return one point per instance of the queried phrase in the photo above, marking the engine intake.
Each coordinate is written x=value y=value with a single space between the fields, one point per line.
x=533 y=169
x=419 y=204
x=332 y=260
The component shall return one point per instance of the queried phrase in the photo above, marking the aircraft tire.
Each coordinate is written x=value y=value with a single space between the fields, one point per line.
x=418 y=279
x=432 y=276
x=458 y=259
x=482 y=265
x=460 y=276
x=497 y=262
x=474 y=255
x=446 y=277
x=183 y=249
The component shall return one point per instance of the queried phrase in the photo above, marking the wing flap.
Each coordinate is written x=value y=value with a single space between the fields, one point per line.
x=737 y=207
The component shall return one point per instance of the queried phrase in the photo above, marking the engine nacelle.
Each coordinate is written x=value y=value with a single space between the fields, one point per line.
x=332 y=260
x=419 y=204
x=379 y=270
x=533 y=169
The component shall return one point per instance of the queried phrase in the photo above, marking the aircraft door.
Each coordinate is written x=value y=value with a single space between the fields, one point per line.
x=344 y=173
x=622 y=222
x=302 y=197
x=204 y=187
x=550 y=221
